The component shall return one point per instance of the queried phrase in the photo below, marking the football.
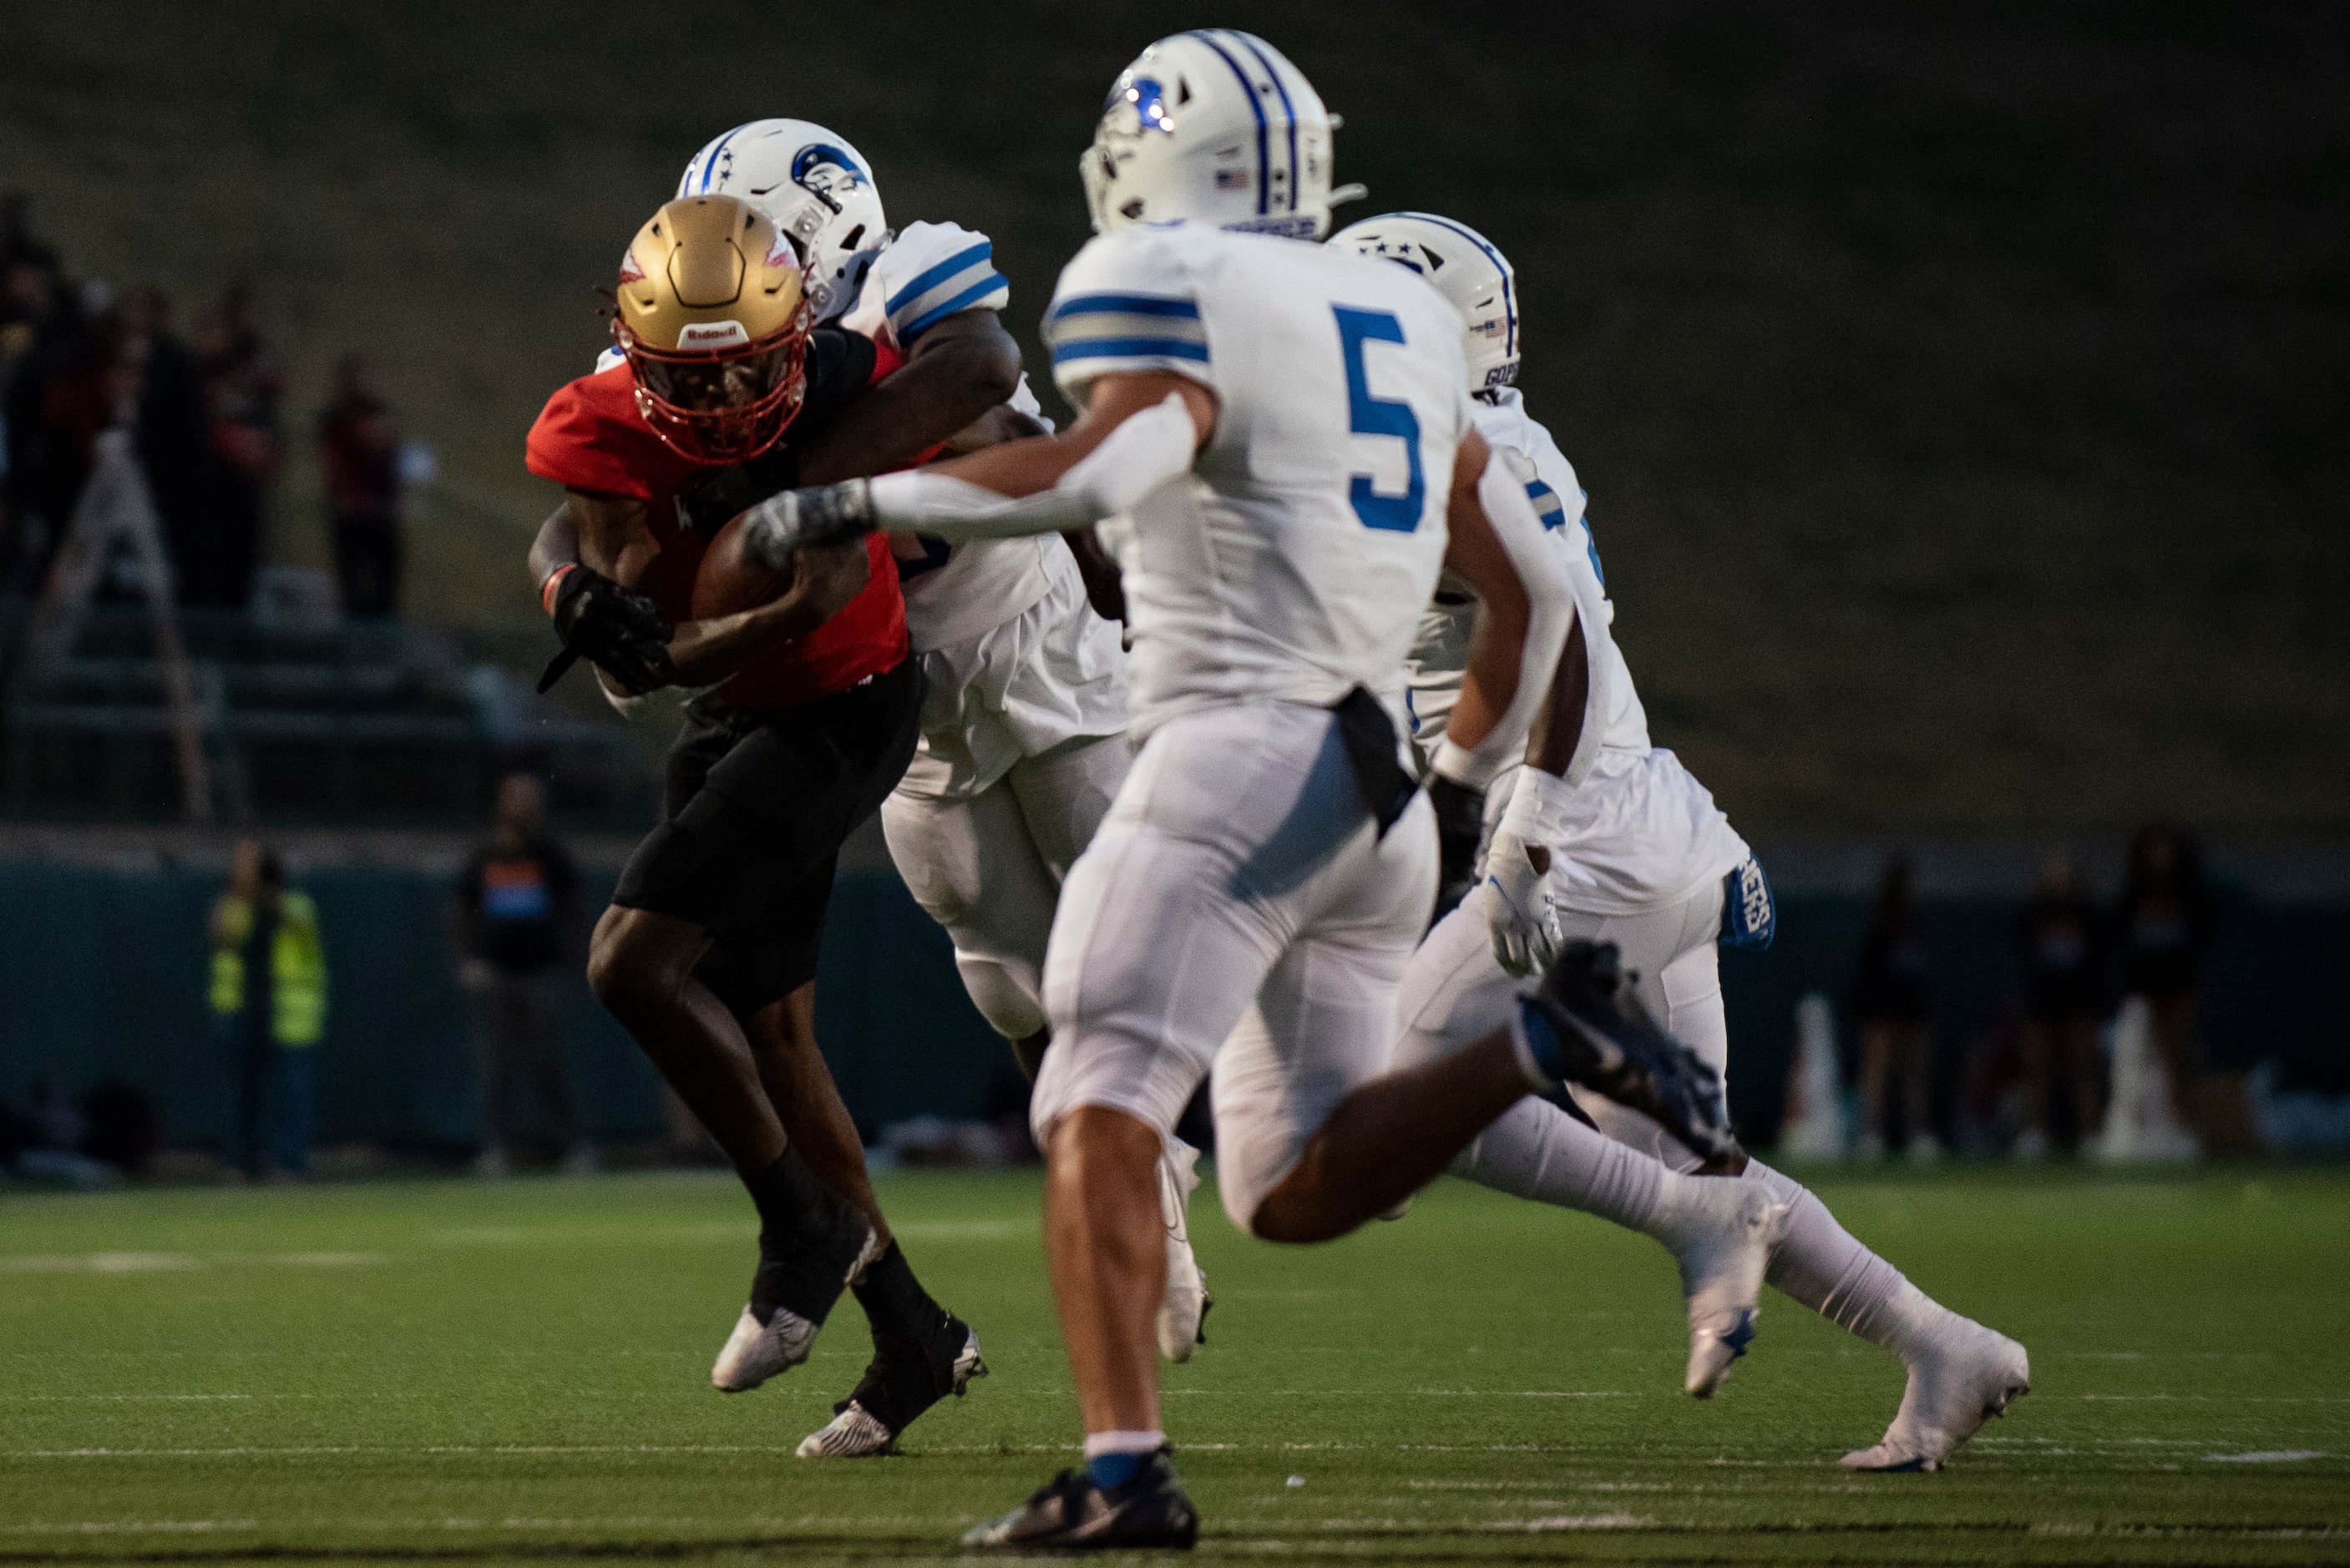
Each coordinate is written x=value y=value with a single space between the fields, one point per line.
x=729 y=581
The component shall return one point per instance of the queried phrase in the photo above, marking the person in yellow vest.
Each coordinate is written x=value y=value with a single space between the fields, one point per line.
x=269 y=1009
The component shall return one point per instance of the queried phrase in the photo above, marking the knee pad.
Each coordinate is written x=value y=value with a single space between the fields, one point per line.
x=1005 y=997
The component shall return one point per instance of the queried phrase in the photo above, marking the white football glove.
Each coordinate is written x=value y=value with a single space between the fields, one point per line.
x=1518 y=910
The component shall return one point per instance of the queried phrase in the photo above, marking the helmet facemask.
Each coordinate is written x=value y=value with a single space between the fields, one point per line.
x=721 y=406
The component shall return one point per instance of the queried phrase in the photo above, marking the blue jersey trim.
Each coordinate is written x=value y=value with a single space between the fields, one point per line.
x=1126 y=304
x=963 y=301
x=921 y=282
x=1264 y=148
x=1129 y=348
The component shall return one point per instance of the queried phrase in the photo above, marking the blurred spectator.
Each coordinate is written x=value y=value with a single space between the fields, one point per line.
x=2064 y=971
x=55 y=402
x=517 y=904
x=240 y=386
x=2162 y=924
x=155 y=385
x=19 y=245
x=269 y=1007
x=359 y=450
x=1890 y=1013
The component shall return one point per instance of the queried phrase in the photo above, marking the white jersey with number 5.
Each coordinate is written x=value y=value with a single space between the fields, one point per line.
x=1292 y=563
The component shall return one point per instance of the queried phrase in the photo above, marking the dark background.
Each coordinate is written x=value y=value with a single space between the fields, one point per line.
x=1958 y=389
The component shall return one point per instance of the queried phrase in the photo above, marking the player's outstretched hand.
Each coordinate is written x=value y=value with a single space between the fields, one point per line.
x=1592 y=1030
x=617 y=629
x=797 y=519
x=1517 y=904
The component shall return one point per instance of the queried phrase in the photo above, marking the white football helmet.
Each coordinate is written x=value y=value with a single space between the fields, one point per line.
x=1213 y=125
x=811 y=184
x=1466 y=269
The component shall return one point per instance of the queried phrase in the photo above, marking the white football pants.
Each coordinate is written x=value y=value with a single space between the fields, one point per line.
x=1238 y=910
x=1456 y=990
x=989 y=866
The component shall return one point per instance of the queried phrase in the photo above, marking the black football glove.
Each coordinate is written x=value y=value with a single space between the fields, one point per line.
x=1459 y=826
x=1584 y=1024
x=722 y=495
x=617 y=629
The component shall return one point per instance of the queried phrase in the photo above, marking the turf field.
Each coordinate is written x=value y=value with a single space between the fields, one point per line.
x=457 y=1371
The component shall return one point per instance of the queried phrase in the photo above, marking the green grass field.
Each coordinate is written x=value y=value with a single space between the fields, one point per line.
x=441 y=1371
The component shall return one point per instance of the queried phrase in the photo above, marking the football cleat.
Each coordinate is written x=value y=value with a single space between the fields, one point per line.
x=1183 y=1310
x=1069 y=1513
x=1721 y=1231
x=762 y=1346
x=1585 y=1025
x=757 y=1351
x=893 y=1392
x=1954 y=1387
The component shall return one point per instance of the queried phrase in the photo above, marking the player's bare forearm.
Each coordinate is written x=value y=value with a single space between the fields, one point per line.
x=1558 y=724
x=556 y=544
x=613 y=534
x=828 y=577
x=1497 y=636
x=961 y=368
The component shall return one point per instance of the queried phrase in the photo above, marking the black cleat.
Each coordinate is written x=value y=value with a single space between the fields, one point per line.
x=899 y=1385
x=1585 y=1025
x=1069 y=1513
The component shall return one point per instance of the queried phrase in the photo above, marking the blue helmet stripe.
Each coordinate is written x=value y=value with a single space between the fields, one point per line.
x=1255 y=46
x=710 y=161
x=1509 y=290
x=1263 y=149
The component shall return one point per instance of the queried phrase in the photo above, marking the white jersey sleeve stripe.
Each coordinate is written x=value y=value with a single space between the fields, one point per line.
x=966 y=280
x=1126 y=326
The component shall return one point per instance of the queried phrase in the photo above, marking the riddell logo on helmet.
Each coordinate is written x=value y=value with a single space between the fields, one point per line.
x=712 y=335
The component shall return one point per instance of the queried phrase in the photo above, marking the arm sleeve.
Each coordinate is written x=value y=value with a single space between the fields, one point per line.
x=929 y=272
x=1127 y=302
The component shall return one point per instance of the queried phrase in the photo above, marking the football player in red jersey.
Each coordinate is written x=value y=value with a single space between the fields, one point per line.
x=708 y=954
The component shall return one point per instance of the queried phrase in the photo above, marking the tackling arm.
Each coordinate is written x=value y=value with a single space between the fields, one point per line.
x=1139 y=429
x=957 y=371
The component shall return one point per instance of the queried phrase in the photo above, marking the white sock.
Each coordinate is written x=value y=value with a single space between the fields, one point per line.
x=1100 y=1443
x=1537 y=1150
x=1821 y=1264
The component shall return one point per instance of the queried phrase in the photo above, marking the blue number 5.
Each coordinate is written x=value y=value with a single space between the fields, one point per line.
x=1368 y=415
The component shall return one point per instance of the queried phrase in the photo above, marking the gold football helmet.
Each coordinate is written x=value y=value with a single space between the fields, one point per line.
x=714 y=319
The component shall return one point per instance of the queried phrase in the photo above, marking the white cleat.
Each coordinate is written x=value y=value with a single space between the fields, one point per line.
x=1722 y=1238
x=856 y=1433
x=1185 y=1305
x=1954 y=1387
x=851 y=1435
x=757 y=1351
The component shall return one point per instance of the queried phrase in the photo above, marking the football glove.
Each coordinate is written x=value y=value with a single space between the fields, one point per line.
x=1585 y=1025
x=1518 y=909
x=617 y=629
x=797 y=519
x=1459 y=824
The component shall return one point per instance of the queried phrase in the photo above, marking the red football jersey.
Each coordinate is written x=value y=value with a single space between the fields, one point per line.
x=590 y=436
